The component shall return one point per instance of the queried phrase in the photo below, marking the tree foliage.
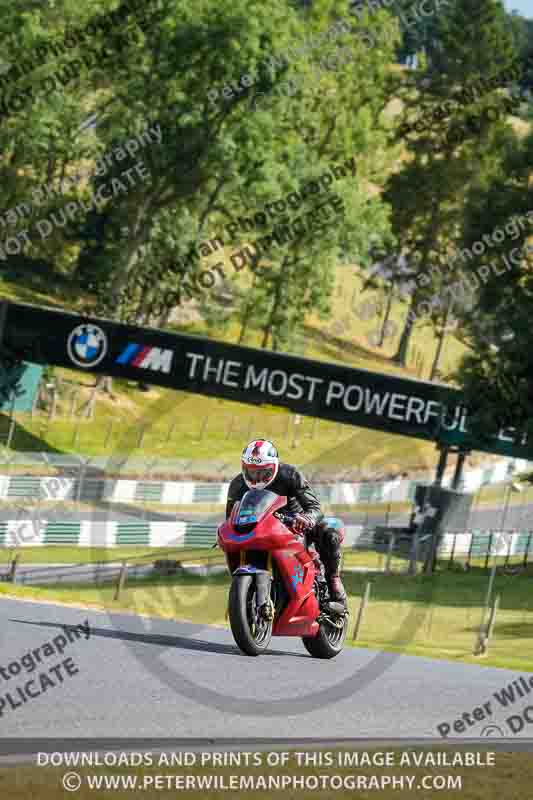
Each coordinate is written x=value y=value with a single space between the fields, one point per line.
x=427 y=196
x=217 y=160
x=499 y=370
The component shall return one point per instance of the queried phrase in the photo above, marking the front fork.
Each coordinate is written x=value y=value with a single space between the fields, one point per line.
x=264 y=602
x=263 y=582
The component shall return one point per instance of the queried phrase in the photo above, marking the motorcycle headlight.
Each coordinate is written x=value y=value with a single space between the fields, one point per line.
x=246 y=528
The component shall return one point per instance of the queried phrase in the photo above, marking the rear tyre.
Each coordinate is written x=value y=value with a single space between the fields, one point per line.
x=251 y=632
x=329 y=641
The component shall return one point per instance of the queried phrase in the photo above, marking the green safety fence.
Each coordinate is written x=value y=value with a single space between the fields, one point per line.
x=148 y=492
x=133 y=533
x=206 y=493
x=62 y=533
x=24 y=486
x=199 y=534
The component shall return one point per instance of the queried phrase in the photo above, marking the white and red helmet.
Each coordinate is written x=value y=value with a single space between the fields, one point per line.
x=260 y=464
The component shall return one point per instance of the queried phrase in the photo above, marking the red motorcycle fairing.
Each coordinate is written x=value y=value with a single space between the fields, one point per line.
x=294 y=563
x=297 y=569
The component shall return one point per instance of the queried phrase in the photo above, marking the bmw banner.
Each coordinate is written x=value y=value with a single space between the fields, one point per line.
x=187 y=363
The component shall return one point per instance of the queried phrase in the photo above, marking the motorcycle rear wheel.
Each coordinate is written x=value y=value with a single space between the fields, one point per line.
x=251 y=633
x=329 y=641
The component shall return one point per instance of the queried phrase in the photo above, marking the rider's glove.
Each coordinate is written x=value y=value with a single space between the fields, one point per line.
x=302 y=523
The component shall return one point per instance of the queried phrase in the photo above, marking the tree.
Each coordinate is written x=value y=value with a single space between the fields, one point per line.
x=442 y=330
x=393 y=270
x=497 y=376
x=426 y=194
x=217 y=160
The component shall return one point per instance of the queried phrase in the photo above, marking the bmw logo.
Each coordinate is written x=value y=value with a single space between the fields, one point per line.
x=87 y=345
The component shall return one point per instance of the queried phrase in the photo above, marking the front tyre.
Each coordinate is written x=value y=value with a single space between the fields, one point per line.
x=329 y=641
x=251 y=631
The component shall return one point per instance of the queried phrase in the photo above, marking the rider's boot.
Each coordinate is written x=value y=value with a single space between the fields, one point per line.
x=337 y=590
x=332 y=564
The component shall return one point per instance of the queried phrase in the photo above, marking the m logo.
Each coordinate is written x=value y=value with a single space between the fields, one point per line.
x=153 y=358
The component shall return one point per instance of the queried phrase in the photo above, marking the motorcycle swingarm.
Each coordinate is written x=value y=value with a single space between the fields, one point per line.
x=263 y=579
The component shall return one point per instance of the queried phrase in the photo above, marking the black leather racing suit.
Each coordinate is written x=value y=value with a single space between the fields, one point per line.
x=290 y=483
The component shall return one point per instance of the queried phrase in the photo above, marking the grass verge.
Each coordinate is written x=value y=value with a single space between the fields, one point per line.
x=57 y=554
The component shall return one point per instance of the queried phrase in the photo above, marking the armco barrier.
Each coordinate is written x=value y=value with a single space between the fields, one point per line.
x=147 y=534
x=79 y=486
x=89 y=533
x=470 y=546
x=98 y=533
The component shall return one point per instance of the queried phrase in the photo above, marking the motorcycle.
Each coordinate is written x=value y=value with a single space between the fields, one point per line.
x=278 y=584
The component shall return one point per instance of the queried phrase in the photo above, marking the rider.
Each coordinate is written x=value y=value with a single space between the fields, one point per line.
x=261 y=469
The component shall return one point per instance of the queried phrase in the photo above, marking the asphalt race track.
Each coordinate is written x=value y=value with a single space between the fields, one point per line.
x=143 y=677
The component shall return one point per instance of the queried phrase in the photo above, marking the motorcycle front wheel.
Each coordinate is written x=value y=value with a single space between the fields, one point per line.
x=251 y=631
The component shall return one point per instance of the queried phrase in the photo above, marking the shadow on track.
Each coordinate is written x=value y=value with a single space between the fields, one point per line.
x=162 y=640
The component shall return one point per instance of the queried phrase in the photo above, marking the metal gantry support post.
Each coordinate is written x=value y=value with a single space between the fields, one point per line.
x=441 y=466
x=457 y=478
x=3 y=314
x=3 y=371
x=459 y=468
x=431 y=557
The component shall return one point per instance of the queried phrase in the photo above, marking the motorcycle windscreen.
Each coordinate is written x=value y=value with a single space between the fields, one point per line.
x=254 y=504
